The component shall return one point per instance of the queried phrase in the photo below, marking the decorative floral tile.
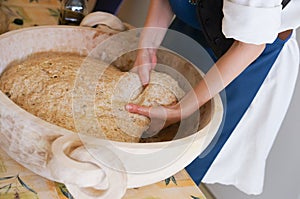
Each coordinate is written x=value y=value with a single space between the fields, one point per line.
x=18 y=182
x=26 y=13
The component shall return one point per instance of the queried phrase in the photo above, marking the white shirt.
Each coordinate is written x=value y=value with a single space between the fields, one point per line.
x=258 y=21
x=242 y=160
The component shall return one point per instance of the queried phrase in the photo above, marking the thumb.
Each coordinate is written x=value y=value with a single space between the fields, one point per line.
x=144 y=74
x=154 y=61
x=141 y=110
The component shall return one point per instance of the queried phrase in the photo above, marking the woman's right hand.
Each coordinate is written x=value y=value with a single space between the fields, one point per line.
x=145 y=61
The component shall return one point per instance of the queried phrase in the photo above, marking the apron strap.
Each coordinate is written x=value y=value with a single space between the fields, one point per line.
x=284 y=3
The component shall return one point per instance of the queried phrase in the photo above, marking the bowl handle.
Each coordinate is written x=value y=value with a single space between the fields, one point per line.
x=83 y=175
x=103 y=18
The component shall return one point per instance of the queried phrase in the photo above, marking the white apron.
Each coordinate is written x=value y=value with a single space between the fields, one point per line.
x=241 y=162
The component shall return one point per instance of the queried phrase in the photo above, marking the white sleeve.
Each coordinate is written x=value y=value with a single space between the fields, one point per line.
x=252 y=21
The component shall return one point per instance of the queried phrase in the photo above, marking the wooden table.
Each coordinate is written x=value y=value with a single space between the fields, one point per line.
x=16 y=180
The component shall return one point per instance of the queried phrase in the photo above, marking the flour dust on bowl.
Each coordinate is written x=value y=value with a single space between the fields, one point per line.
x=93 y=166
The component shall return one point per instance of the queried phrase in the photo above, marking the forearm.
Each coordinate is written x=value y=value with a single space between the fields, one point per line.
x=158 y=20
x=226 y=69
x=159 y=14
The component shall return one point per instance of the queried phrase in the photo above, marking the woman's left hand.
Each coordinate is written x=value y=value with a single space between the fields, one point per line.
x=160 y=116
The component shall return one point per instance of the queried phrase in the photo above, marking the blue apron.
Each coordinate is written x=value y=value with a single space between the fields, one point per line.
x=236 y=97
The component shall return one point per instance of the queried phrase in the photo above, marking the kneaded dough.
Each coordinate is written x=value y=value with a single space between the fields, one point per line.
x=43 y=84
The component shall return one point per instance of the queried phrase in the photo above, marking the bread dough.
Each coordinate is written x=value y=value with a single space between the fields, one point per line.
x=42 y=84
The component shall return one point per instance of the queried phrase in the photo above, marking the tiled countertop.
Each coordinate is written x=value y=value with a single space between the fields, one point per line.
x=19 y=182
x=32 y=12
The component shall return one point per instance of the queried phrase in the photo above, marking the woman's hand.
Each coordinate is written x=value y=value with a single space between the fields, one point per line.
x=157 y=22
x=144 y=63
x=160 y=116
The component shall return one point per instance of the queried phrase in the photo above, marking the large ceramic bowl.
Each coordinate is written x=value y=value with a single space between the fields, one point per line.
x=94 y=168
